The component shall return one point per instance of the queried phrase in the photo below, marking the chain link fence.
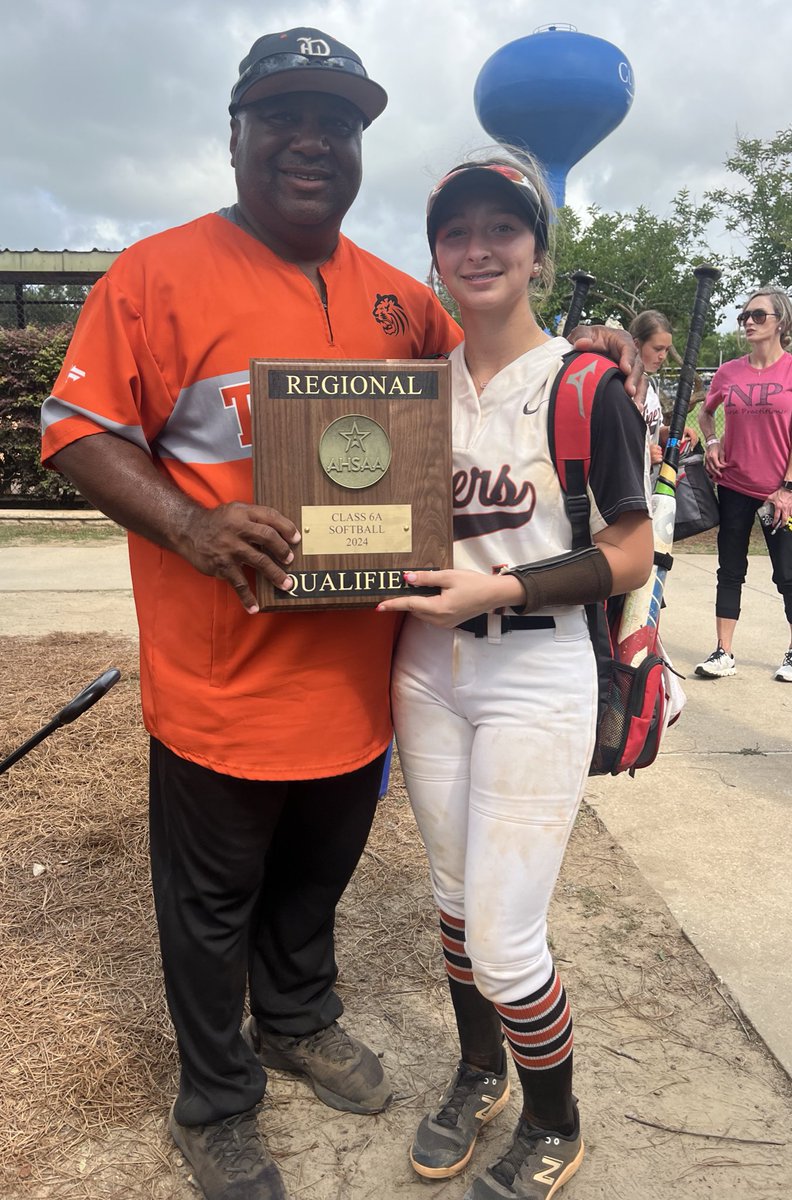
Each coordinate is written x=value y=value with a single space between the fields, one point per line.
x=667 y=382
x=42 y=305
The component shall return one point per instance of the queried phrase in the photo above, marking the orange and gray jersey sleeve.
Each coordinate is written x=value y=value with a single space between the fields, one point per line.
x=109 y=382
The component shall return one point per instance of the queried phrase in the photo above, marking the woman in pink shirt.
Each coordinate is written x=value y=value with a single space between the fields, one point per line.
x=752 y=465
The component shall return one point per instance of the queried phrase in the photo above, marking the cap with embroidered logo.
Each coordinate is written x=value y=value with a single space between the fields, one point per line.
x=306 y=60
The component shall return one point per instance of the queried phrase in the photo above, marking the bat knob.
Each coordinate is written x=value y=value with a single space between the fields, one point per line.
x=707 y=271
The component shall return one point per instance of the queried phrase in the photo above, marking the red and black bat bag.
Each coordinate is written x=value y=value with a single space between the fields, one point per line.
x=634 y=701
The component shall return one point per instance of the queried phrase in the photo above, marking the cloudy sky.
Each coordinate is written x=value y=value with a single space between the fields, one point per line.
x=115 y=125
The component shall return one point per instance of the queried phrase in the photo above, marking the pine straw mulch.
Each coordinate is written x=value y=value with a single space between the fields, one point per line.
x=85 y=1041
x=87 y=1059
x=84 y=1037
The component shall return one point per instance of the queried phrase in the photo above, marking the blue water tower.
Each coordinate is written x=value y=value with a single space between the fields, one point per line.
x=557 y=93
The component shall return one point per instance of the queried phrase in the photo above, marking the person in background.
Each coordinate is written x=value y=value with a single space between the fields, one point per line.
x=495 y=684
x=752 y=465
x=653 y=336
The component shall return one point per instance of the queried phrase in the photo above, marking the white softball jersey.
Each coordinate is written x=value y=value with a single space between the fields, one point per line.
x=508 y=503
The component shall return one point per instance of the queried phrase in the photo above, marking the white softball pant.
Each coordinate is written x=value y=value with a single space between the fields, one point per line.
x=495 y=738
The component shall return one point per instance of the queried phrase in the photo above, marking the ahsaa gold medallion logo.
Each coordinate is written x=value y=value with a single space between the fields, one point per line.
x=355 y=452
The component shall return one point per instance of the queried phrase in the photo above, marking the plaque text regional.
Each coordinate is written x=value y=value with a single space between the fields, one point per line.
x=358 y=455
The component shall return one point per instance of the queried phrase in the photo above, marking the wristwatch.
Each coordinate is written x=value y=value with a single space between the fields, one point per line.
x=786 y=485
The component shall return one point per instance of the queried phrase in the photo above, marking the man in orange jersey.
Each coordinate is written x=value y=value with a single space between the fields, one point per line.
x=268 y=732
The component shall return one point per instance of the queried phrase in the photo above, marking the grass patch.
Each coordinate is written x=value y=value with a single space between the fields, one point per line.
x=70 y=532
x=707 y=543
x=64 y=532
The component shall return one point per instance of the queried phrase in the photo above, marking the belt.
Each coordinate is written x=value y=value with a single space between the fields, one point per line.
x=479 y=625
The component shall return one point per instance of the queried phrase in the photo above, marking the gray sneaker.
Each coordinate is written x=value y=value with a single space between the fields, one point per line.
x=445 y=1139
x=229 y=1159
x=535 y=1167
x=719 y=664
x=342 y=1071
x=784 y=672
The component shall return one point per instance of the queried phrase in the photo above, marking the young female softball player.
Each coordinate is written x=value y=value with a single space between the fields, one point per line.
x=653 y=337
x=494 y=690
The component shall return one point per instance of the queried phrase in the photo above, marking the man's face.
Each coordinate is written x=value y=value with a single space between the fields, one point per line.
x=297 y=159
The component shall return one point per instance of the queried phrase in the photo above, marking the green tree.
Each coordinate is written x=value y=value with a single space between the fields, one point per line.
x=759 y=211
x=639 y=261
x=721 y=347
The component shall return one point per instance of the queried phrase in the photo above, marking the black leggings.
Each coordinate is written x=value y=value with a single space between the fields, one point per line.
x=737 y=513
x=246 y=879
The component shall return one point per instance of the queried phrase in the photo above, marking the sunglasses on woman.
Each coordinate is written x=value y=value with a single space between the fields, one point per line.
x=757 y=315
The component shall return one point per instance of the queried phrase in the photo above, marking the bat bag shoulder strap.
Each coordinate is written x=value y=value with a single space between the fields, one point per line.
x=581 y=379
x=631 y=699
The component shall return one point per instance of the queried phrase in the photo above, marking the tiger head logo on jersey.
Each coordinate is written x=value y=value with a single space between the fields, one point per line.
x=388 y=313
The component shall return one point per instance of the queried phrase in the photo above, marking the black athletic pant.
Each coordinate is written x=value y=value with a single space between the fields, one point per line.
x=246 y=878
x=737 y=513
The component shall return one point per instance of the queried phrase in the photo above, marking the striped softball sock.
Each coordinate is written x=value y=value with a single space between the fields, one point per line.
x=452 y=937
x=478 y=1022
x=539 y=1028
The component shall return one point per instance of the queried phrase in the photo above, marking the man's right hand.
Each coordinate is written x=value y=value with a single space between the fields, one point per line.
x=120 y=479
x=223 y=541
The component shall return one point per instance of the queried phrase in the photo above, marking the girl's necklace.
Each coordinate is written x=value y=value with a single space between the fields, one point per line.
x=480 y=383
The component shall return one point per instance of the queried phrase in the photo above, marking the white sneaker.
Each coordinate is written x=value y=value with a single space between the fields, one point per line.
x=784 y=672
x=721 y=663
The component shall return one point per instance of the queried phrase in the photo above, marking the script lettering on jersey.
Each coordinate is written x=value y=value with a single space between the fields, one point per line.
x=755 y=395
x=237 y=397
x=514 y=502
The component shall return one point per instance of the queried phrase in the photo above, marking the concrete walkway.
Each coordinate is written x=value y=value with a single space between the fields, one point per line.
x=66 y=589
x=709 y=825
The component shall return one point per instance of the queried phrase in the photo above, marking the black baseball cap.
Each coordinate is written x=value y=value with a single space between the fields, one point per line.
x=307 y=60
x=508 y=180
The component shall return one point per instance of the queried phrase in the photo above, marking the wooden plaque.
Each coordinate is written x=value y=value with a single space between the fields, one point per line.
x=358 y=455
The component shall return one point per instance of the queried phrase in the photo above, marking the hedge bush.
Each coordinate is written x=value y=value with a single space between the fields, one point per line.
x=29 y=363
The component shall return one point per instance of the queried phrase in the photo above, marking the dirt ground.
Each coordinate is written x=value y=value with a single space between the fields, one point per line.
x=678 y=1096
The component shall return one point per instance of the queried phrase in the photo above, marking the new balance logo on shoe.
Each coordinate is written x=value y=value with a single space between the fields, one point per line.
x=75 y=373
x=552 y=1165
x=487 y=1104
